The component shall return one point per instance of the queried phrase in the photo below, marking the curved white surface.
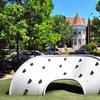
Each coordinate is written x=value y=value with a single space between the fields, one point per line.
x=33 y=77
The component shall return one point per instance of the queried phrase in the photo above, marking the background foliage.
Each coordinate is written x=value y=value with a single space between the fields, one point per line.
x=28 y=24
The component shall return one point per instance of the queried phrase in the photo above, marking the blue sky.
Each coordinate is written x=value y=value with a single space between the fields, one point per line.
x=69 y=8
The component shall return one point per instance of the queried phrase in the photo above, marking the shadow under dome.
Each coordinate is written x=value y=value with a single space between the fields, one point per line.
x=67 y=85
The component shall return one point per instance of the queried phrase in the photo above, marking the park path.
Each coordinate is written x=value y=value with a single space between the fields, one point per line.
x=7 y=76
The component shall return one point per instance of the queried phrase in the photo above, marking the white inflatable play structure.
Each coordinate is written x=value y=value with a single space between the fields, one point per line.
x=34 y=76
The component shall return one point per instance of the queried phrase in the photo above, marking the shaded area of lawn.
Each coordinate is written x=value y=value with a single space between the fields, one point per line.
x=66 y=87
x=59 y=91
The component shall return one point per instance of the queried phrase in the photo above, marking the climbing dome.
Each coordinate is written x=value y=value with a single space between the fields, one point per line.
x=34 y=76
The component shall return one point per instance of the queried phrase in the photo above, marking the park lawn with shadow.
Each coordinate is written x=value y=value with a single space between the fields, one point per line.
x=57 y=90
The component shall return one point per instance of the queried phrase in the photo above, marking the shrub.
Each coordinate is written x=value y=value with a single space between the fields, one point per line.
x=92 y=45
x=66 y=52
x=89 y=47
x=86 y=46
x=95 y=52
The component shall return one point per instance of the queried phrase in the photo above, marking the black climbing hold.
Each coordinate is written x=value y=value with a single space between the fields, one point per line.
x=80 y=60
x=43 y=67
x=99 y=92
x=80 y=75
x=24 y=70
x=49 y=59
x=96 y=64
x=29 y=81
x=40 y=81
x=60 y=66
x=65 y=59
x=31 y=64
x=76 y=66
x=25 y=92
x=64 y=73
x=91 y=73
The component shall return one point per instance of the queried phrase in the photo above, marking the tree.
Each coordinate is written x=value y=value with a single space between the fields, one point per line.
x=2 y=21
x=96 y=29
x=37 y=11
x=32 y=12
x=98 y=6
x=63 y=27
x=13 y=27
x=46 y=36
x=96 y=25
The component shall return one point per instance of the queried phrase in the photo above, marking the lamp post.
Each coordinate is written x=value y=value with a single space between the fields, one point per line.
x=88 y=30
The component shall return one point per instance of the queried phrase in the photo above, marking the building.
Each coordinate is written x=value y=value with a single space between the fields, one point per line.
x=79 y=26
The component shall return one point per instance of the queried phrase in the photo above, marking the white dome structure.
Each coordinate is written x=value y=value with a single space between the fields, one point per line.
x=34 y=76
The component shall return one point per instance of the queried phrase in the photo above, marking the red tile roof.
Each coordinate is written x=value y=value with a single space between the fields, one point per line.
x=70 y=20
x=77 y=21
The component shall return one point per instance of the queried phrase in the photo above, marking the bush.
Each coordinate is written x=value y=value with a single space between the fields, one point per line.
x=89 y=47
x=66 y=52
x=95 y=52
x=86 y=46
x=92 y=45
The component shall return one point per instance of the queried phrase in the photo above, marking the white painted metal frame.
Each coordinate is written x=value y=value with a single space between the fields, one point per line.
x=34 y=76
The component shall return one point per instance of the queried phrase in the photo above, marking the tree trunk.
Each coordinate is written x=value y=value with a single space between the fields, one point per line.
x=17 y=49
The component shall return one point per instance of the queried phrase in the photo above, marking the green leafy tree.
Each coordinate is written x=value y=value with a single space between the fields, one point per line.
x=98 y=6
x=2 y=21
x=63 y=27
x=46 y=35
x=96 y=25
x=32 y=12
x=15 y=28
x=37 y=11
x=96 y=29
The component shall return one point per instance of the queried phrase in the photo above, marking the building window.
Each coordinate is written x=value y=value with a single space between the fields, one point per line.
x=75 y=42
x=79 y=41
x=79 y=31
x=83 y=40
x=84 y=30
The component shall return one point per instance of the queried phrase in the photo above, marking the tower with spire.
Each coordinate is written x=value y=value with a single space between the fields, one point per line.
x=79 y=26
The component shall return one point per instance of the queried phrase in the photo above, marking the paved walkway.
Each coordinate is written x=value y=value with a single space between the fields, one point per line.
x=7 y=76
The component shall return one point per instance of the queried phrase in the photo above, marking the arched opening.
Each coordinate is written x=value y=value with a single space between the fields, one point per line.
x=66 y=85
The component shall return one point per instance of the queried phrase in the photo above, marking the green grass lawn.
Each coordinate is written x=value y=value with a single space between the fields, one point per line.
x=53 y=94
